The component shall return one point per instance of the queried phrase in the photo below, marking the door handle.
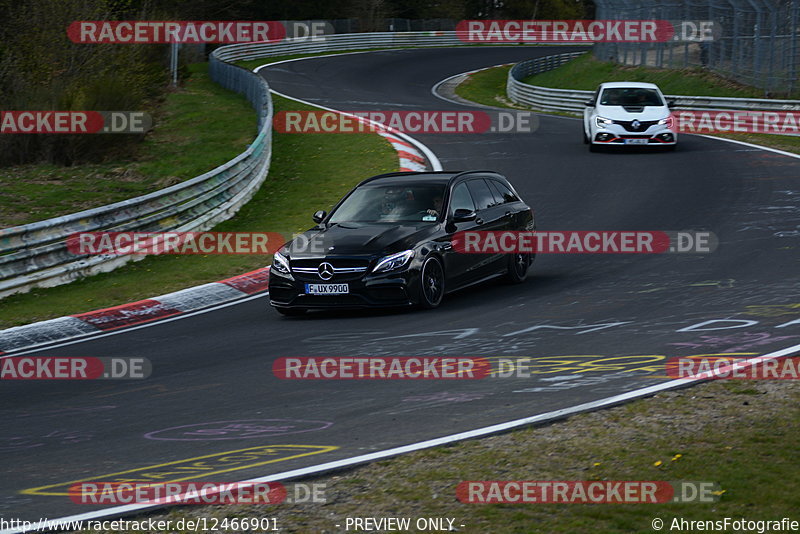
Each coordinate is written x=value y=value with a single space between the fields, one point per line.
x=447 y=246
x=508 y=213
x=479 y=221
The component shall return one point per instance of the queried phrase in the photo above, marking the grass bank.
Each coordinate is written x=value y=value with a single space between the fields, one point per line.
x=308 y=172
x=197 y=128
x=586 y=73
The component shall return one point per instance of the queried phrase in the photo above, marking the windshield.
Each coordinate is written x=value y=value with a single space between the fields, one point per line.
x=391 y=203
x=630 y=96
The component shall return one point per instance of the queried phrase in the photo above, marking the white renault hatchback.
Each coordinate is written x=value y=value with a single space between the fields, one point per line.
x=628 y=113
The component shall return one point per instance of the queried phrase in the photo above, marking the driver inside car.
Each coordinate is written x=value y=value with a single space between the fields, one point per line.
x=437 y=206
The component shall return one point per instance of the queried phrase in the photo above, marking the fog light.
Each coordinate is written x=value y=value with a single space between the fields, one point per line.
x=603 y=137
x=666 y=137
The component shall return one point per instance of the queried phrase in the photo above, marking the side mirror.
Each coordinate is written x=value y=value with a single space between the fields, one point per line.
x=463 y=215
x=670 y=104
x=589 y=103
x=319 y=216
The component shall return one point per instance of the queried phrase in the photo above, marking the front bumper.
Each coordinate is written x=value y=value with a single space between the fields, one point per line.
x=617 y=135
x=384 y=290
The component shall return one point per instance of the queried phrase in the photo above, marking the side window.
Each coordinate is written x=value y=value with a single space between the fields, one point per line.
x=461 y=199
x=498 y=196
x=507 y=194
x=481 y=193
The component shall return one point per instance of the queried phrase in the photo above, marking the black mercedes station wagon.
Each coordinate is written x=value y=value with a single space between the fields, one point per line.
x=389 y=243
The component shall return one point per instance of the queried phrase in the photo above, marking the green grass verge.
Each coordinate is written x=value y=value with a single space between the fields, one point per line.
x=586 y=73
x=739 y=436
x=488 y=87
x=308 y=172
x=482 y=87
x=198 y=127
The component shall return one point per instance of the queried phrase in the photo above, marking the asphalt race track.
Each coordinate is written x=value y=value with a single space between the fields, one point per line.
x=613 y=319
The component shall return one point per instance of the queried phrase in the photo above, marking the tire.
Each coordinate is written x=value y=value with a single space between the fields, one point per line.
x=518 y=267
x=291 y=312
x=585 y=138
x=671 y=148
x=593 y=147
x=431 y=283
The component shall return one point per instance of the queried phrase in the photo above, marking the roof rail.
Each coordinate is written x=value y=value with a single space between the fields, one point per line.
x=462 y=173
x=455 y=174
x=404 y=173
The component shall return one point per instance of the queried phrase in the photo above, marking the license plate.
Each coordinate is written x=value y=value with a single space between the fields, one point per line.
x=327 y=289
x=636 y=141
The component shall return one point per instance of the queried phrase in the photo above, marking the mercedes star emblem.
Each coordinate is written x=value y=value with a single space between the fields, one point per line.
x=325 y=270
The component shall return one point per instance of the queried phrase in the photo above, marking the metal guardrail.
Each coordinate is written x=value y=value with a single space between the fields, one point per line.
x=36 y=254
x=572 y=100
x=333 y=43
x=541 y=97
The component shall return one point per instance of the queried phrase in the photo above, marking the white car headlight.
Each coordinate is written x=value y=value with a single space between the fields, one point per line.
x=393 y=261
x=602 y=122
x=667 y=121
x=281 y=264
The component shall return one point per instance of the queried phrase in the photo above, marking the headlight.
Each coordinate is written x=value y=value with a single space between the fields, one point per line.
x=602 y=123
x=281 y=264
x=667 y=121
x=393 y=261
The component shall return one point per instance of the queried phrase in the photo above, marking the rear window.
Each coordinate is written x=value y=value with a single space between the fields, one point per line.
x=503 y=192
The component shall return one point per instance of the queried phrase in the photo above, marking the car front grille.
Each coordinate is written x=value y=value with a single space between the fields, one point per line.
x=643 y=125
x=341 y=269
